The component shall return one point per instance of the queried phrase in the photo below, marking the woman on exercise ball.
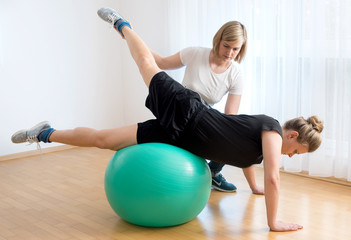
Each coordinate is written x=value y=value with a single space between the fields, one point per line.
x=183 y=120
x=213 y=73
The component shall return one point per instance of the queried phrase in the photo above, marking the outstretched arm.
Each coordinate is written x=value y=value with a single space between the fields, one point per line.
x=170 y=62
x=271 y=145
x=250 y=177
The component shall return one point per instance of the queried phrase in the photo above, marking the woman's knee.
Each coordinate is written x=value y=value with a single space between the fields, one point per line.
x=102 y=140
x=147 y=67
x=145 y=62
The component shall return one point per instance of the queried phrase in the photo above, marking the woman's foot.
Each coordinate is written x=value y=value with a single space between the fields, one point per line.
x=111 y=16
x=39 y=133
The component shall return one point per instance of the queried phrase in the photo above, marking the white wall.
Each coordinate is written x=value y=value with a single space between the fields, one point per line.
x=60 y=62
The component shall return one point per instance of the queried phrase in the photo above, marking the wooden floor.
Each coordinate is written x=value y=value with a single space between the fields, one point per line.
x=61 y=196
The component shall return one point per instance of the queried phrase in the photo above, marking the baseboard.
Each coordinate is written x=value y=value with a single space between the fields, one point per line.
x=35 y=152
x=341 y=181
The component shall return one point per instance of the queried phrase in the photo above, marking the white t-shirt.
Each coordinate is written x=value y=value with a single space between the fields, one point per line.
x=200 y=78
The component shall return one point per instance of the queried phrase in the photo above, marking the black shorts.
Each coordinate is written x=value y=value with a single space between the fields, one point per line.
x=175 y=108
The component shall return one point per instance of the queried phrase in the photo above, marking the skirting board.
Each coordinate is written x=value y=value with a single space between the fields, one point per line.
x=341 y=181
x=35 y=152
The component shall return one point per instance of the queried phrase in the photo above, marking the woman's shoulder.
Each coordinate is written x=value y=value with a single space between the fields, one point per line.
x=235 y=75
x=261 y=122
x=270 y=124
x=235 y=68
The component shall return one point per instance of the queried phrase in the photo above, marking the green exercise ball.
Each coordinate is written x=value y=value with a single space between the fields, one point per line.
x=157 y=185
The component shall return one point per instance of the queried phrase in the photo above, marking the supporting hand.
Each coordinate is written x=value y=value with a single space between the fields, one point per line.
x=280 y=226
x=258 y=190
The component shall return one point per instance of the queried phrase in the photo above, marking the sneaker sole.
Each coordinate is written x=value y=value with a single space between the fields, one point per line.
x=223 y=190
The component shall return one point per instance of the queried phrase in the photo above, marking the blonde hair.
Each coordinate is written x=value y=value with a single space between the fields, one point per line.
x=309 y=131
x=232 y=31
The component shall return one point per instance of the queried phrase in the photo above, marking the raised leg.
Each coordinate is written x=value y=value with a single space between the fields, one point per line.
x=114 y=139
x=119 y=137
x=138 y=49
x=141 y=55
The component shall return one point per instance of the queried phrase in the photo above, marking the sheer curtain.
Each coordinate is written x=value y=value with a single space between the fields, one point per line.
x=298 y=64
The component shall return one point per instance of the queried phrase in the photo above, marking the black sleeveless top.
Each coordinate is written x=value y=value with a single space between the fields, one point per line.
x=229 y=139
x=184 y=121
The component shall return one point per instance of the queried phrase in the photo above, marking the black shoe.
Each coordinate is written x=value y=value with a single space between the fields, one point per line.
x=219 y=183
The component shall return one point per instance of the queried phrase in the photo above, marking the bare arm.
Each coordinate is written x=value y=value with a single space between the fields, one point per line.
x=170 y=62
x=232 y=107
x=271 y=145
x=232 y=104
x=250 y=177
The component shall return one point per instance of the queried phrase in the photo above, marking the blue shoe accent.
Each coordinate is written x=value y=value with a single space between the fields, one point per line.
x=45 y=135
x=120 y=24
x=220 y=183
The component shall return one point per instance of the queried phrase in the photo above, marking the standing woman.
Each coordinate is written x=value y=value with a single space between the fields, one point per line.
x=213 y=73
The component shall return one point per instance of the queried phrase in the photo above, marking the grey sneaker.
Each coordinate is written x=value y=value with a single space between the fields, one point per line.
x=109 y=15
x=114 y=18
x=30 y=135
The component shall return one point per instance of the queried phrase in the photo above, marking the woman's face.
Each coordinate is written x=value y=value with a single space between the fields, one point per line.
x=228 y=51
x=290 y=145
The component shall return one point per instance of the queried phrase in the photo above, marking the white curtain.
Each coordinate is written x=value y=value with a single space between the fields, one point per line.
x=298 y=64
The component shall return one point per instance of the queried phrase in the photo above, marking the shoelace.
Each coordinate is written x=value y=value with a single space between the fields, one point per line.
x=220 y=176
x=34 y=139
x=112 y=18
